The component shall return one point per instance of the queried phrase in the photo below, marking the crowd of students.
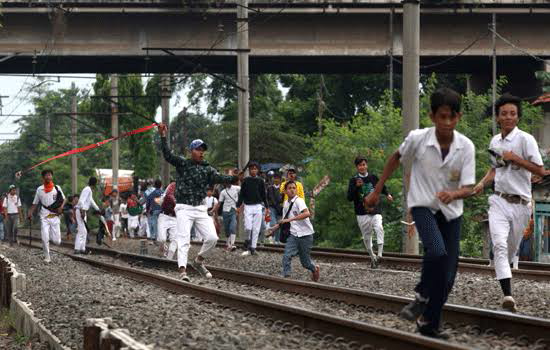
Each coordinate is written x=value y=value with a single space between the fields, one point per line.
x=204 y=204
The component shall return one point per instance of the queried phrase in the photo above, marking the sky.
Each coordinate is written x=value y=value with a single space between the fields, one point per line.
x=18 y=101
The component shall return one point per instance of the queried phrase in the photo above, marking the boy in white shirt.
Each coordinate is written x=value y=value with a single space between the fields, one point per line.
x=12 y=213
x=52 y=199
x=228 y=200
x=300 y=240
x=510 y=207
x=84 y=202
x=442 y=174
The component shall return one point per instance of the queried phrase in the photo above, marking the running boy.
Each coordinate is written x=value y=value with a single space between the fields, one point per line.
x=52 y=199
x=300 y=240
x=84 y=202
x=253 y=195
x=193 y=176
x=510 y=206
x=442 y=174
x=369 y=219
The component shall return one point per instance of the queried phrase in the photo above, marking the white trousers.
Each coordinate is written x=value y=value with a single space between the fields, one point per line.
x=167 y=226
x=144 y=226
x=253 y=222
x=116 y=226
x=50 y=230
x=507 y=222
x=368 y=223
x=81 y=232
x=133 y=224
x=186 y=217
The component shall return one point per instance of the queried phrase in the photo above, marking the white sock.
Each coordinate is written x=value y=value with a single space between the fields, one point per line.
x=232 y=239
x=380 y=250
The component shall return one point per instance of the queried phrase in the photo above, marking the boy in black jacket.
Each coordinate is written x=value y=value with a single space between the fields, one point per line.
x=370 y=218
x=253 y=195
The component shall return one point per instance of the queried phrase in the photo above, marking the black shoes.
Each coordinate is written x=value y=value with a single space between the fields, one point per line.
x=428 y=331
x=414 y=309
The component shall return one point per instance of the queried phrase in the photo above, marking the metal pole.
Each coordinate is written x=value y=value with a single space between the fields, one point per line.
x=114 y=129
x=392 y=12
x=411 y=107
x=74 y=126
x=165 y=93
x=242 y=72
x=494 y=86
x=320 y=106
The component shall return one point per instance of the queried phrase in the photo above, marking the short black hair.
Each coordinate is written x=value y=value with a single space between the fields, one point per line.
x=359 y=159
x=445 y=97
x=158 y=183
x=289 y=182
x=114 y=191
x=277 y=175
x=92 y=181
x=506 y=98
x=291 y=170
x=47 y=171
x=76 y=195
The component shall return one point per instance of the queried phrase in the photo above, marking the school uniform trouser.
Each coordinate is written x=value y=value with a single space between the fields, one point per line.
x=441 y=242
x=229 y=222
x=188 y=216
x=133 y=224
x=12 y=221
x=300 y=246
x=167 y=231
x=81 y=232
x=507 y=222
x=367 y=224
x=116 y=226
x=50 y=230
x=252 y=223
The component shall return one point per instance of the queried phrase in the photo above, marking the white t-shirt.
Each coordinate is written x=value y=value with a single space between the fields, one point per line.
x=86 y=200
x=46 y=199
x=430 y=174
x=298 y=228
x=229 y=197
x=513 y=179
x=123 y=211
x=210 y=202
x=12 y=203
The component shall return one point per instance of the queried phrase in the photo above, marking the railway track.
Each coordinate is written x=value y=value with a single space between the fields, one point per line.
x=528 y=270
x=535 y=330
x=358 y=334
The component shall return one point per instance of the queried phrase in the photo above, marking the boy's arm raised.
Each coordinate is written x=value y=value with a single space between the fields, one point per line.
x=391 y=165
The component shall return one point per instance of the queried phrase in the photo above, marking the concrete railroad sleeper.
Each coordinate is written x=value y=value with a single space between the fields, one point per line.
x=379 y=337
x=534 y=328
x=532 y=271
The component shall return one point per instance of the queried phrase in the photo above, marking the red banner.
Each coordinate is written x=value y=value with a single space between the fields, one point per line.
x=89 y=147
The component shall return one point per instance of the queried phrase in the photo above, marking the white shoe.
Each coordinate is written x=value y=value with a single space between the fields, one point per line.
x=509 y=304
x=245 y=253
x=491 y=263
x=515 y=263
x=47 y=260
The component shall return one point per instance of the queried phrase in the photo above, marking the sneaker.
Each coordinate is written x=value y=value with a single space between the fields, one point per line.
x=414 y=309
x=76 y=252
x=246 y=243
x=373 y=262
x=233 y=248
x=509 y=304
x=245 y=253
x=199 y=266
x=315 y=275
x=184 y=277
x=47 y=260
x=428 y=331
x=491 y=263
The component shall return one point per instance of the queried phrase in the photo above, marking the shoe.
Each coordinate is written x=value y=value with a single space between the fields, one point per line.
x=199 y=266
x=246 y=243
x=491 y=263
x=428 y=331
x=47 y=260
x=233 y=248
x=184 y=277
x=76 y=252
x=315 y=275
x=413 y=310
x=509 y=304
x=373 y=262
x=245 y=253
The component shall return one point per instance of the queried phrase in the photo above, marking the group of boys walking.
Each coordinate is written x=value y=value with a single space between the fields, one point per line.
x=441 y=162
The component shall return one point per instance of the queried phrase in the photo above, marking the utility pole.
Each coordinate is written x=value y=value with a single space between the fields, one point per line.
x=411 y=107
x=165 y=93
x=390 y=53
x=114 y=129
x=74 y=167
x=493 y=26
x=242 y=72
x=321 y=105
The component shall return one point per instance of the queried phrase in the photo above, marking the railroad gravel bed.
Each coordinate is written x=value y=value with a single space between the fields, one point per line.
x=477 y=290
x=463 y=334
x=64 y=293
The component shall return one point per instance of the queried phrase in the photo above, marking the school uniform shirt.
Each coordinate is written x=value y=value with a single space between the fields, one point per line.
x=86 y=200
x=123 y=211
x=298 y=228
x=299 y=190
x=252 y=192
x=210 y=202
x=513 y=179
x=12 y=203
x=431 y=174
x=229 y=198
x=46 y=199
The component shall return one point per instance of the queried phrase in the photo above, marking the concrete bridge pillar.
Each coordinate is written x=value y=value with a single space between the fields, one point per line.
x=543 y=133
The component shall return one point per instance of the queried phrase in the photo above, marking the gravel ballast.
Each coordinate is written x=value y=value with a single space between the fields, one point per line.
x=64 y=293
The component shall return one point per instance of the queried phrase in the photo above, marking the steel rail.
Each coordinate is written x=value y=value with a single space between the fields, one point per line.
x=339 y=327
x=534 y=328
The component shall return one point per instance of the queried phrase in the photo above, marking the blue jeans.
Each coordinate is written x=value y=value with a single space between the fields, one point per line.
x=274 y=220
x=298 y=246
x=153 y=223
x=441 y=242
x=230 y=222
x=1 y=228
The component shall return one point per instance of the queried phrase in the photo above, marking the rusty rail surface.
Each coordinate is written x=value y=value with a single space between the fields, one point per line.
x=534 y=328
